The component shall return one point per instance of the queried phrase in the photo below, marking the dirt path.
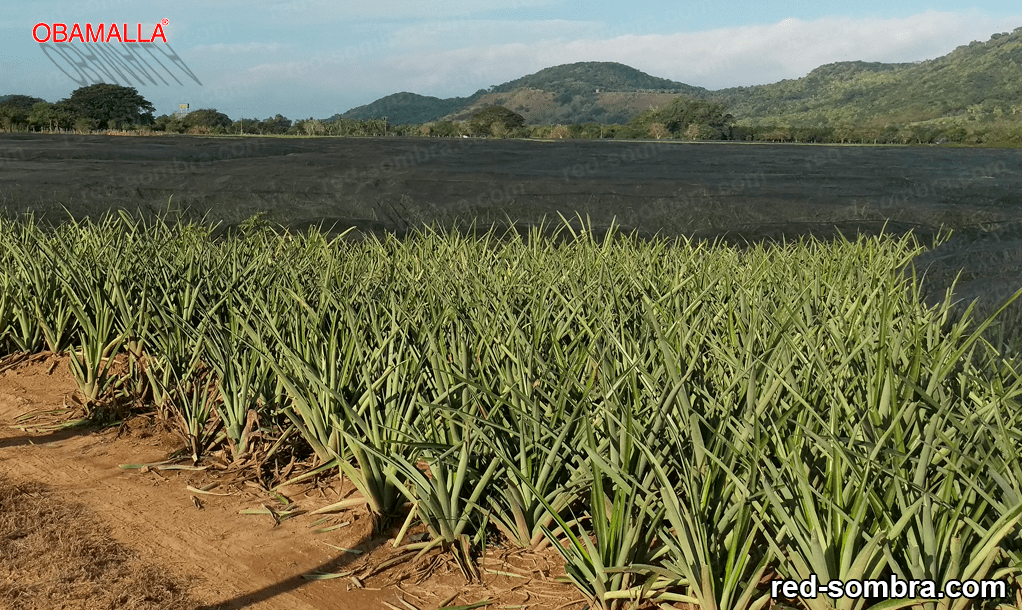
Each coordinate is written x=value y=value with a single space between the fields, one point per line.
x=223 y=559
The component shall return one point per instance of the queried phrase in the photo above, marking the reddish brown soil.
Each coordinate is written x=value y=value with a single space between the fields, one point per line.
x=56 y=554
x=206 y=555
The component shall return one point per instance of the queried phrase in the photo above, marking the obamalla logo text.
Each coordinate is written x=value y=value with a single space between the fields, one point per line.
x=58 y=32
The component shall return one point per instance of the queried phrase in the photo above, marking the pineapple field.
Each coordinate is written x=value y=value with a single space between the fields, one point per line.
x=680 y=421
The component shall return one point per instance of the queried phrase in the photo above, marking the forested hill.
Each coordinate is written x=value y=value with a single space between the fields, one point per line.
x=982 y=80
x=403 y=108
x=569 y=93
x=829 y=85
x=589 y=76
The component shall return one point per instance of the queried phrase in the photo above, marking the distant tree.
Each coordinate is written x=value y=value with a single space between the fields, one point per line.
x=565 y=97
x=313 y=127
x=498 y=130
x=678 y=117
x=206 y=120
x=1013 y=134
x=890 y=134
x=169 y=124
x=444 y=129
x=10 y=116
x=925 y=134
x=775 y=133
x=409 y=129
x=103 y=103
x=244 y=126
x=339 y=127
x=591 y=130
x=43 y=114
x=956 y=134
x=559 y=132
x=376 y=127
x=66 y=115
x=506 y=121
x=846 y=132
x=816 y=133
x=659 y=131
x=276 y=125
x=15 y=111
x=84 y=125
x=343 y=127
x=24 y=102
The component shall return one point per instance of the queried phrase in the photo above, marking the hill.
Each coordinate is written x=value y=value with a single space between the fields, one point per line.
x=570 y=93
x=828 y=85
x=981 y=81
x=584 y=77
x=403 y=108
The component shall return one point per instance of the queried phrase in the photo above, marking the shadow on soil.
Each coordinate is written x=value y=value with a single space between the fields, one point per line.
x=46 y=438
x=299 y=580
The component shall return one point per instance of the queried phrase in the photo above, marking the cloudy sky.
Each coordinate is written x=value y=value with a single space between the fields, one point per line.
x=319 y=57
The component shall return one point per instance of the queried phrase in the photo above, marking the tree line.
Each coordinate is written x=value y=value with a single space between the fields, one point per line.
x=113 y=107
x=99 y=106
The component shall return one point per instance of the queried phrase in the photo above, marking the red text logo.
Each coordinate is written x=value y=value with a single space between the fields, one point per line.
x=59 y=32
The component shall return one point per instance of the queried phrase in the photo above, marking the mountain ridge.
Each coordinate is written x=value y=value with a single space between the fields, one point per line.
x=985 y=74
x=579 y=83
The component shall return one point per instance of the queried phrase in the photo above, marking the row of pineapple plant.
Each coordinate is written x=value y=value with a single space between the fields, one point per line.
x=683 y=422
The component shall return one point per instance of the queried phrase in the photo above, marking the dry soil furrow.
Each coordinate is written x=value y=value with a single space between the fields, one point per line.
x=227 y=560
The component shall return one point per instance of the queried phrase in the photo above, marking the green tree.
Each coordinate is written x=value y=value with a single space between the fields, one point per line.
x=103 y=103
x=206 y=120
x=495 y=121
x=84 y=125
x=659 y=131
x=594 y=131
x=313 y=127
x=276 y=125
x=43 y=114
x=15 y=111
x=66 y=115
x=376 y=127
x=24 y=102
x=685 y=117
x=444 y=129
x=169 y=124
x=9 y=117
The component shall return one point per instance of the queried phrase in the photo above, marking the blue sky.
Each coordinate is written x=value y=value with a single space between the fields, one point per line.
x=319 y=57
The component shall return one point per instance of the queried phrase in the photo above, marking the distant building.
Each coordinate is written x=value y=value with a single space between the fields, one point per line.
x=182 y=109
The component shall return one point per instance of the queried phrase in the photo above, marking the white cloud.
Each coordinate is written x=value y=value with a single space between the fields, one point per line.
x=462 y=56
x=442 y=62
x=714 y=59
x=460 y=33
x=242 y=47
